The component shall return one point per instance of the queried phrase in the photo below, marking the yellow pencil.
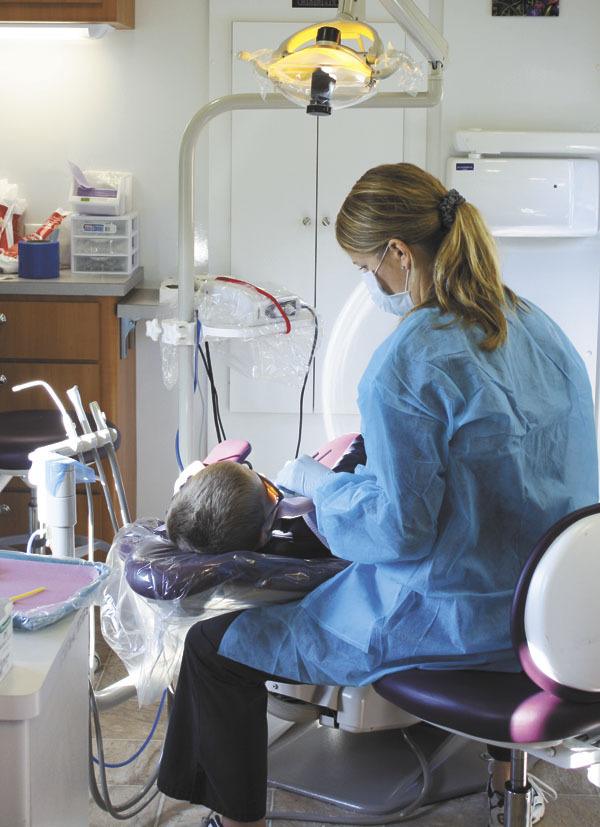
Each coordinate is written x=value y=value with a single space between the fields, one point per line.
x=16 y=597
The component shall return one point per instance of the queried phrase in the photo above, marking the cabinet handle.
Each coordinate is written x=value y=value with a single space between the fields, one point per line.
x=3 y=379
x=326 y=221
x=3 y=318
x=307 y=221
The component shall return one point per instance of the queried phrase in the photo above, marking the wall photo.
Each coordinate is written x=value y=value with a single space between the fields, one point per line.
x=525 y=8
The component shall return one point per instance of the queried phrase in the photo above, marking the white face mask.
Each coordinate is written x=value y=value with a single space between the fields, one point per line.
x=398 y=304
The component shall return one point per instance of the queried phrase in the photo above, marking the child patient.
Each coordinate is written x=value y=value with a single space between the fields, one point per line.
x=224 y=507
x=229 y=507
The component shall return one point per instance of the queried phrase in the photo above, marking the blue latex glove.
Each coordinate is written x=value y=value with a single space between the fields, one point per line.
x=302 y=476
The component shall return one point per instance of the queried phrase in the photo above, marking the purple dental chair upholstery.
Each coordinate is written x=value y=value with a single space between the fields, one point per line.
x=555 y=619
x=21 y=432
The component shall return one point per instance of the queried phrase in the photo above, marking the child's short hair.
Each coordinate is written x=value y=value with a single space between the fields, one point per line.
x=219 y=509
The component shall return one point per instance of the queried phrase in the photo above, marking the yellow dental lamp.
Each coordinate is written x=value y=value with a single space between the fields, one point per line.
x=339 y=63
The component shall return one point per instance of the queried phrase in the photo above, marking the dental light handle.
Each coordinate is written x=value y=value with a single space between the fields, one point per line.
x=68 y=424
x=101 y=423
x=75 y=399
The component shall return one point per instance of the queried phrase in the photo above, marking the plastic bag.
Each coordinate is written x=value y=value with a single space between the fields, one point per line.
x=264 y=331
x=278 y=357
x=11 y=209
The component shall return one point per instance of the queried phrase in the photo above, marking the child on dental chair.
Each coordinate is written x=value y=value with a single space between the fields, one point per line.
x=229 y=507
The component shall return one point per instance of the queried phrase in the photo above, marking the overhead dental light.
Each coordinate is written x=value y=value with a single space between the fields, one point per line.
x=339 y=63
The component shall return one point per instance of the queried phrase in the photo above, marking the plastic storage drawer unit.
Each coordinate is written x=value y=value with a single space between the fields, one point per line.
x=104 y=244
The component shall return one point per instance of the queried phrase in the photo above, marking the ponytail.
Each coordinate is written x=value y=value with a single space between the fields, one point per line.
x=466 y=277
x=405 y=202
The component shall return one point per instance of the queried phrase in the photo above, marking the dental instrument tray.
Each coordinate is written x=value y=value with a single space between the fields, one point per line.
x=55 y=587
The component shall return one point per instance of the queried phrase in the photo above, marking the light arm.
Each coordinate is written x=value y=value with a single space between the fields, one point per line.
x=419 y=28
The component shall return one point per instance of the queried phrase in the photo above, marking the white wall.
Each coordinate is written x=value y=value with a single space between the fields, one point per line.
x=121 y=102
x=542 y=75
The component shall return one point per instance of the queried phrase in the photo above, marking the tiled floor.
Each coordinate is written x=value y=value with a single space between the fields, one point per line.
x=125 y=727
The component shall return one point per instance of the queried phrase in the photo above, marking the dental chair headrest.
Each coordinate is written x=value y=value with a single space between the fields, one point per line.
x=158 y=570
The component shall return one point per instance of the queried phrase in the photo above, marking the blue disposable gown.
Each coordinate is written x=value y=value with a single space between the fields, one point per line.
x=471 y=456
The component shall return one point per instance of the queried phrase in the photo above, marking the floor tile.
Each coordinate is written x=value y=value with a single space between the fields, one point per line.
x=179 y=812
x=568 y=782
x=573 y=811
x=147 y=818
x=140 y=770
x=578 y=810
x=127 y=721
x=283 y=801
x=114 y=669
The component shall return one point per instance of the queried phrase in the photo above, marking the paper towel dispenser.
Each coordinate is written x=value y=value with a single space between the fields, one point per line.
x=530 y=197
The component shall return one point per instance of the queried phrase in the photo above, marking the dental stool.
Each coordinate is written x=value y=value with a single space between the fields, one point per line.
x=552 y=708
x=21 y=432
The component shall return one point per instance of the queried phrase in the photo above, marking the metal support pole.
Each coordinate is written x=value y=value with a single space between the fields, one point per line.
x=518 y=794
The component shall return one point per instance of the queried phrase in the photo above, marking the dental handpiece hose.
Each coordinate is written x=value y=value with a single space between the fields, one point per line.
x=101 y=423
x=75 y=399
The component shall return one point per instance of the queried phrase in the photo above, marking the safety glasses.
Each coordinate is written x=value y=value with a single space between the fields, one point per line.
x=274 y=494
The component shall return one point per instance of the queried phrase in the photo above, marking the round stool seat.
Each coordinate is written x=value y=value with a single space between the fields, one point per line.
x=21 y=432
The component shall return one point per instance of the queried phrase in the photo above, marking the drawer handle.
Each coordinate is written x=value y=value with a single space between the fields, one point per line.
x=3 y=318
x=3 y=379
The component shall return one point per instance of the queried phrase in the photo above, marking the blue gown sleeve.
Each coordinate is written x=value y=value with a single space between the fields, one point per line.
x=388 y=509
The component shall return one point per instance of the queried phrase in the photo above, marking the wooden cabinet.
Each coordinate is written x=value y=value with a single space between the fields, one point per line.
x=67 y=341
x=117 y=13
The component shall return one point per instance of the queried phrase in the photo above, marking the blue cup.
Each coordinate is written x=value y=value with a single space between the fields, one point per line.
x=39 y=259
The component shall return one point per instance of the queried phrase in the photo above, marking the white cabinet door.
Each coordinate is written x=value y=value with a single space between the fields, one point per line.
x=284 y=207
x=351 y=142
x=273 y=205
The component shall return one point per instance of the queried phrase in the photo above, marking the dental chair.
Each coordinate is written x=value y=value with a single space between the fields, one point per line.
x=346 y=746
x=423 y=732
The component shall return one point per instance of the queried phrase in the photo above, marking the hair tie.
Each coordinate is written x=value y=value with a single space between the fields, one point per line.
x=448 y=205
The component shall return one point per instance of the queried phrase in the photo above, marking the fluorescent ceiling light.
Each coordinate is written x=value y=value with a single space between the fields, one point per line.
x=48 y=32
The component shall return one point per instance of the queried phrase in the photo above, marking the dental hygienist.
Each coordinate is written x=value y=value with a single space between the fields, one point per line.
x=479 y=433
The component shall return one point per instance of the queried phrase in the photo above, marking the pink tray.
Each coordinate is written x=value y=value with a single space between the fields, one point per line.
x=62 y=582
